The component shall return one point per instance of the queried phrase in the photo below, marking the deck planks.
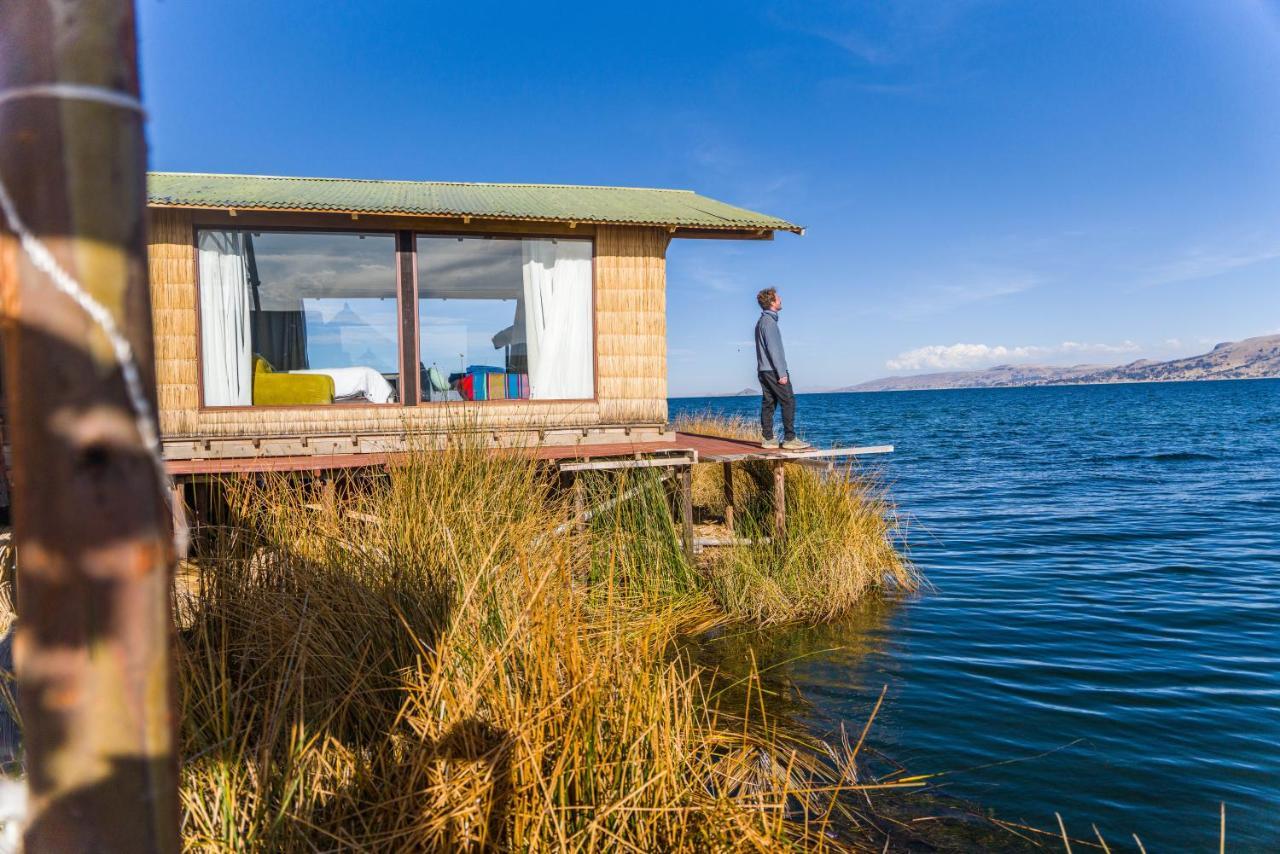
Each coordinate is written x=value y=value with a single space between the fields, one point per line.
x=709 y=449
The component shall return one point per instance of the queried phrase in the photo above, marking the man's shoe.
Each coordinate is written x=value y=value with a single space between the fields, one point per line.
x=769 y=444
x=795 y=445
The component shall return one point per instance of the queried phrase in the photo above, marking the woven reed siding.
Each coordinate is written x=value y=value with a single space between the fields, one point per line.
x=342 y=419
x=173 y=312
x=631 y=324
x=631 y=352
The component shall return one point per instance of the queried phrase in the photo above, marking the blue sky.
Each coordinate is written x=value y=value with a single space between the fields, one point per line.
x=982 y=181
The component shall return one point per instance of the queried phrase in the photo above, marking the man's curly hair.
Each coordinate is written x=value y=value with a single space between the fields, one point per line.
x=766 y=297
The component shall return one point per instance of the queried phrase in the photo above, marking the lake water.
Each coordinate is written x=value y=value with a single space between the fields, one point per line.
x=1106 y=611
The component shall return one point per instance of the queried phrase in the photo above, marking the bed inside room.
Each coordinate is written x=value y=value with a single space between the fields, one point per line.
x=298 y=318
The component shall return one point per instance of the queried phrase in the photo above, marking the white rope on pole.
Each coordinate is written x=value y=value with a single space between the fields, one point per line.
x=74 y=92
x=44 y=261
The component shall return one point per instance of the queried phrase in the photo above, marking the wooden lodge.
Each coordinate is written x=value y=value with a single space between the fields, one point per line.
x=309 y=323
x=317 y=324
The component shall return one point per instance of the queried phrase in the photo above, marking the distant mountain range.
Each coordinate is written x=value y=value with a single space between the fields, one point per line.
x=1251 y=358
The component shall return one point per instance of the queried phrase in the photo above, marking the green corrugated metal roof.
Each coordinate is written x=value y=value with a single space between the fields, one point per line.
x=540 y=202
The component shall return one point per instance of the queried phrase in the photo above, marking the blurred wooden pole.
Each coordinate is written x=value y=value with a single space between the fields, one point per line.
x=91 y=521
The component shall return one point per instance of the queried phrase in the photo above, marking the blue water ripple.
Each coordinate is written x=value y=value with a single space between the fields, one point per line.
x=1106 y=571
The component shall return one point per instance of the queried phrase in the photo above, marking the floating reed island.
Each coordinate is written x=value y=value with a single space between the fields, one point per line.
x=428 y=657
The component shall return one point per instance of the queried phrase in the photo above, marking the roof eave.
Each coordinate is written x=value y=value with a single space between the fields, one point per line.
x=728 y=231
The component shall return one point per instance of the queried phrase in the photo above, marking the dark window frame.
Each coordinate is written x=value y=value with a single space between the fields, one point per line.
x=507 y=235
x=196 y=228
x=407 y=272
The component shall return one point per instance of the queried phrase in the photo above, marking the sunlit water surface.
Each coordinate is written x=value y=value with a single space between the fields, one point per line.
x=1106 y=603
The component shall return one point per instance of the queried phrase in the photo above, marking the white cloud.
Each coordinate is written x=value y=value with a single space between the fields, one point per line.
x=1206 y=263
x=931 y=299
x=950 y=357
x=953 y=356
x=1078 y=347
x=879 y=34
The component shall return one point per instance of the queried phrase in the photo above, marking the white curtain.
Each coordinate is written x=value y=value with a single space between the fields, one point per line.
x=226 y=360
x=557 y=309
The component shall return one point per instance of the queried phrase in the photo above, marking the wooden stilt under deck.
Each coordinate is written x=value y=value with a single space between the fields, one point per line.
x=579 y=505
x=728 y=496
x=676 y=457
x=686 y=510
x=581 y=555
x=779 y=499
x=179 y=506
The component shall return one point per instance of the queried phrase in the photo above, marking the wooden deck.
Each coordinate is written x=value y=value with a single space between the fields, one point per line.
x=678 y=457
x=712 y=449
x=687 y=447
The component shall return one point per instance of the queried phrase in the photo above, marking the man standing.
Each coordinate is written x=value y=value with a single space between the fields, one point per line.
x=775 y=381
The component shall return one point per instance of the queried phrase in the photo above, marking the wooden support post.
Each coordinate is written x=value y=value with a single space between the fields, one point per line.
x=728 y=496
x=579 y=504
x=581 y=554
x=779 y=499
x=329 y=496
x=686 y=510
x=91 y=517
x=179 y=502
x=201 y=504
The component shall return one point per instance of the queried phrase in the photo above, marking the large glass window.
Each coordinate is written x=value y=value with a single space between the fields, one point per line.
x=505 y=318
x=293 y=318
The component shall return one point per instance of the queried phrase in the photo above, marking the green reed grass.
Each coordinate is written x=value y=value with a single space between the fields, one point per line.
x=434 y=658
x=842 y=538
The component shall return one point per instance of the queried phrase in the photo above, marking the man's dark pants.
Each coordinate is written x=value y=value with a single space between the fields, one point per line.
x=776 y=393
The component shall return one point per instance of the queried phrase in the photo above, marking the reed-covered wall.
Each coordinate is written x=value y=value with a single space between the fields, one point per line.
x=631 y=323
x=630 y=326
